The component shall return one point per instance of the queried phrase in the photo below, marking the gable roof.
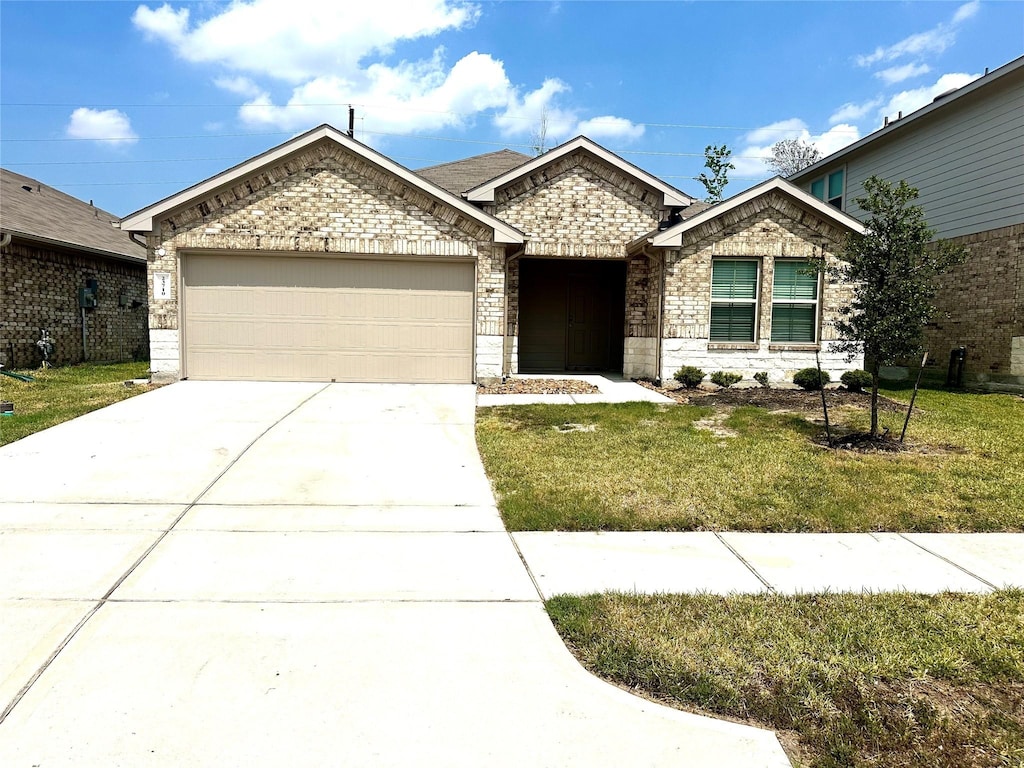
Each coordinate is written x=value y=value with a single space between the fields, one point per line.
x=459 y=176
x=143 y=220
x=671 y=197
x=673 y=236
x=34 y=211
x=914 y=119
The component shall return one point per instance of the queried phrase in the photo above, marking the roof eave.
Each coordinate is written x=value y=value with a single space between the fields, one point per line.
x=145 y=219
x=66 y=245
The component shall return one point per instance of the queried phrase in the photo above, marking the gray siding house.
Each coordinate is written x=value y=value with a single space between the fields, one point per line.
x=965 y=154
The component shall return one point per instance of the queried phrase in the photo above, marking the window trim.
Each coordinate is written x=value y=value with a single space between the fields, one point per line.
x=818 y=288
x=755 y=302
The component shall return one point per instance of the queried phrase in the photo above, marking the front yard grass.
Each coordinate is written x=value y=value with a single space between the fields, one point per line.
x=888 y=680
x=640 y=466
x=61 y=394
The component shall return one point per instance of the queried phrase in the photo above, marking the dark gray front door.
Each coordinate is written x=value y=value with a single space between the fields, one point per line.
x=589 y=323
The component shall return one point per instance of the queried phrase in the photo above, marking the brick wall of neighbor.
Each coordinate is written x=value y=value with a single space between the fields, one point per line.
x=39 y=289
x=322 y=200
x=767 y=228
x=578 y=207
x=981 y=306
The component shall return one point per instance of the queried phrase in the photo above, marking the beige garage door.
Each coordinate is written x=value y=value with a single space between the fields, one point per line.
x=285 y=318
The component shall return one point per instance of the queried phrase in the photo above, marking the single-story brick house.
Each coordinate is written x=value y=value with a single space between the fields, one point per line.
x=324 y=260
x=52 y=246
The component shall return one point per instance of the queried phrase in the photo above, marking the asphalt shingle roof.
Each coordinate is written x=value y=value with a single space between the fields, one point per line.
x=459 y=176
x=34 y=210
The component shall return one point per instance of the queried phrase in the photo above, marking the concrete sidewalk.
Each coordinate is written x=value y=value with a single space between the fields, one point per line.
x=217 y=574
x=613 y=389
x=789 y=563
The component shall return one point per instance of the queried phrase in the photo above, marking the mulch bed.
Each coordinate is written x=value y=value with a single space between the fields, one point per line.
x=539 y=387
x=777 y=399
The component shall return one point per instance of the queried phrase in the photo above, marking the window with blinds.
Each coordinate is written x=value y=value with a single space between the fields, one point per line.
x=794 y=303
x=733 y=299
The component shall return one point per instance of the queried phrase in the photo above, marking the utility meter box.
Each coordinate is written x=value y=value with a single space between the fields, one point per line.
x=86 y=297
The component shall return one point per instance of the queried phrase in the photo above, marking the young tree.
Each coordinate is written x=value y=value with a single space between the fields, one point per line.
x=892 y=268
x=792 y=155
x=539 y=137
x=716 y=160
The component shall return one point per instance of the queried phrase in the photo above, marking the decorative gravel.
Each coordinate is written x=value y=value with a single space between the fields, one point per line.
x=539 y=387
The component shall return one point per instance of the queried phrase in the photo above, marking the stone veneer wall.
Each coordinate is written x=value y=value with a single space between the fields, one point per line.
x=981 y=306
x=581 y=208
x=768 y=228
x=39 y=289
x=323 y=200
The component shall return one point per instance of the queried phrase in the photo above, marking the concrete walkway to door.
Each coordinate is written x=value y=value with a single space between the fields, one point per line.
x=219 y=574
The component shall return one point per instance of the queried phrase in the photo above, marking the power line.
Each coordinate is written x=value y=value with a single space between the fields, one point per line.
x=398 y=108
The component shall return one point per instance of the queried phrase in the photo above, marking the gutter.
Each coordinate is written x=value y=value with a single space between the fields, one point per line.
x=69 y=246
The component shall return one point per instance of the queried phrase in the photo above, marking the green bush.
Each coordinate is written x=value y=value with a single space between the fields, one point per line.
x=725 y=379
x=856 y=381
x=807 y=378
x=761 y=377
x=689 y=376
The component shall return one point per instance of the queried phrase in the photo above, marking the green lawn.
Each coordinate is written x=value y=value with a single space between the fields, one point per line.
x=889 y=680
x=60 y=394
x=646 y=467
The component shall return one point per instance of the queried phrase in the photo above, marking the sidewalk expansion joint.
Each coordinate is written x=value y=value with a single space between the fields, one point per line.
x=956 y=565
x=526 y=565
x=744 y=560
x=163 y=534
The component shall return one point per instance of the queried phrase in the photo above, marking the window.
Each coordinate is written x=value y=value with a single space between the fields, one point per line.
x=832 y=185
x=733 y=300
x=794 y=303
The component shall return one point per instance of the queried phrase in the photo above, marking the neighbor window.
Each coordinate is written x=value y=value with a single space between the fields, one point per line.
x=829 y=188
x=733 y=299
x=794 y=303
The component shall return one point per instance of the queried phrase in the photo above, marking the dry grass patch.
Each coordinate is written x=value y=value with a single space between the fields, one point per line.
x=889 y=680
x=652 y=467
x=61 y=394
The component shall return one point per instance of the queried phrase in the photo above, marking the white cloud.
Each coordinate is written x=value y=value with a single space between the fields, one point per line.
x=109 y=125
x=904 y=72
x=852 y=112
x=907 y=101
x=609 y=127
x=751 y=160
x=330 y=55
x=932 y=41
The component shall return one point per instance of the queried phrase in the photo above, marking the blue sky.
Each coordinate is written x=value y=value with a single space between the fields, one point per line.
x=125 y=103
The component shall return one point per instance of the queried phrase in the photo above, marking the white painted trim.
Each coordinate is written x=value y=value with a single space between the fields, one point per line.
x=673 y=236
x=671 y=197
x=144 y=220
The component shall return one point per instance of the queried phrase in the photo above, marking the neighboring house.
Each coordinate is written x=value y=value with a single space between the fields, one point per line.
x=53 y=247
x=965 y=154
x=324 y=260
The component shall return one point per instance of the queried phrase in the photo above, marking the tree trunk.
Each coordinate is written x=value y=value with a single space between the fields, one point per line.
x=874 y=400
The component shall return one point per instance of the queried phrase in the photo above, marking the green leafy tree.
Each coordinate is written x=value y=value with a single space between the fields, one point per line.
x=892 y=268
x=716 y=160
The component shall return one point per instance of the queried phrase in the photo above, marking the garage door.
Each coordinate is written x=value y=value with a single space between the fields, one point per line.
x=285 y=318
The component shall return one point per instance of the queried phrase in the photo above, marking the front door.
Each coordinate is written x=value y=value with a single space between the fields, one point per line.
x=588 y=323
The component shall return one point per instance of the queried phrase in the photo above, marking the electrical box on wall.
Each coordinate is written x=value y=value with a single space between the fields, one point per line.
x=87 y=297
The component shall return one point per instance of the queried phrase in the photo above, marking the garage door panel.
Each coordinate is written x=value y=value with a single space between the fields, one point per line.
x=298 y=318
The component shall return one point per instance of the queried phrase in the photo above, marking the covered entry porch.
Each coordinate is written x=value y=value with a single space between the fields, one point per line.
x=571 y=315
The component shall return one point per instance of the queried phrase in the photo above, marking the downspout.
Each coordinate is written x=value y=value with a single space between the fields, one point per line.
x=5 y=239
x=661 y=303
x=506 y=351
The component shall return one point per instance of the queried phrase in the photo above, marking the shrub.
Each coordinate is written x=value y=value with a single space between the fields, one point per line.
x=856 y=381
x=807 y=378
x=762 y=378
x=689 y=376
x=725 y=379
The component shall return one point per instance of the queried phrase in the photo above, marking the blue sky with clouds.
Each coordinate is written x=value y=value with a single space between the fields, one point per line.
x=125 y=103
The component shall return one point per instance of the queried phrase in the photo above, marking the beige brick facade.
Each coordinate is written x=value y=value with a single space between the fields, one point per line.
x=981 y=306
x=39 y=289
x=768 y=228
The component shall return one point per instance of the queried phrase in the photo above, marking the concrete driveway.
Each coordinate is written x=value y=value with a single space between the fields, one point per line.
x=293 y=574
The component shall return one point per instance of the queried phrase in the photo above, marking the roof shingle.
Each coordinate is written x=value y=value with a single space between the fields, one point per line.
x=459 y=176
